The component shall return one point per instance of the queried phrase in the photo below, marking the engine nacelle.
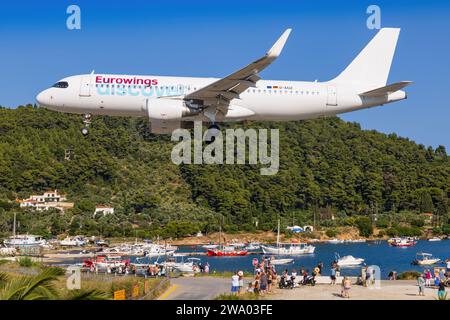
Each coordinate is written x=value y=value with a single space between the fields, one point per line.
x=167 y=109
x=165 y=114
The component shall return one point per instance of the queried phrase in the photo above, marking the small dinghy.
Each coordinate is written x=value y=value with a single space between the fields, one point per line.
x=277 y=262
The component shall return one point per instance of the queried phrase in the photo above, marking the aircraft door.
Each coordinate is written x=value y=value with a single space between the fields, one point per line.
x=85 y=86
x=331 y=96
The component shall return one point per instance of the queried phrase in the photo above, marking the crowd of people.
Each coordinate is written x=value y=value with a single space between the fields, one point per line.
x=265 y=278
x=439 y=279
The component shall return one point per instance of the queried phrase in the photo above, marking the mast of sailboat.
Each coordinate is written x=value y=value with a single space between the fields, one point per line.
x=14 y=225
x=278 y=236
x=220 y=233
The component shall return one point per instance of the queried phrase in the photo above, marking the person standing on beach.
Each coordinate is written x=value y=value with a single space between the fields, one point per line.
x=320 y=266
x=368 y=277
x=257 y=287
x=269 y=280
x=263 y=283
x=333 y=275
x=427 y=278
x=346 y=285
x=441 y=290
x=421 y=284
x=235 y=284
x=241 y=281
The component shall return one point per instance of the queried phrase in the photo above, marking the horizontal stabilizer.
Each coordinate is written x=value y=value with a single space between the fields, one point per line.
x=386 y=90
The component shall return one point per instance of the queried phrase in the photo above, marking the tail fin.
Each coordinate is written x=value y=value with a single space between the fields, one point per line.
x=371 y=67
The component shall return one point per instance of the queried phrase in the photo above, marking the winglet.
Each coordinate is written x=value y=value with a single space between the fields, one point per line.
x=275 y=51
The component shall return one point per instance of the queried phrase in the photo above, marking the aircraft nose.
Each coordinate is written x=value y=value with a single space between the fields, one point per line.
x=42 y=99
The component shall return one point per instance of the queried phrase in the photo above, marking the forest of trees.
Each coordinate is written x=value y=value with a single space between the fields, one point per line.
x=327 y=166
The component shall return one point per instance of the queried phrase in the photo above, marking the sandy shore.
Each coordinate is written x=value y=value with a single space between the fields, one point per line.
x=389 y=290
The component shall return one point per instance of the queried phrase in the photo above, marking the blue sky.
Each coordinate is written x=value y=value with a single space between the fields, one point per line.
x=214 y=38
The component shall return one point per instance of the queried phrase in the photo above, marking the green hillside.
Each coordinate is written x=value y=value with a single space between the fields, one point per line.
x=329 y=167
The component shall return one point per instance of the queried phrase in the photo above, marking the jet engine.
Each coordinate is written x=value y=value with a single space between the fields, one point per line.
x=165 y=114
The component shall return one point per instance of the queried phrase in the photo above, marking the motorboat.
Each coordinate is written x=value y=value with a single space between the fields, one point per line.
x=210 y=246
x=188 y=266
x=154 y=250
x=253 y=246
x=348 y=261
x=237 y=245
x=402 y=242
x=277 y=262
x=335 y=241
x=27 y=240
x=106 y=262
x=72 y=242
x=102 y=243
x=356 y=241
x=425 y=259
x=435 y=239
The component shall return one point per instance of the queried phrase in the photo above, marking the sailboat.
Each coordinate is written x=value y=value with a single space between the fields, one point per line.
x=292 y=248
x=225 y=251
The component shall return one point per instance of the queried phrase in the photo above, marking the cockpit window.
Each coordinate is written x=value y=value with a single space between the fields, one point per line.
x=61 y=84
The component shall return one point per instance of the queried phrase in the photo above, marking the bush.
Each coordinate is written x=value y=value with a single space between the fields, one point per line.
x=381 y=234
x=403 y=231
x=331 y=233
x=446 y=229
x=25 y=262
x=365 y=227
x=382 y=223
x=408 y=275
x=417 y=222
x=245 y=296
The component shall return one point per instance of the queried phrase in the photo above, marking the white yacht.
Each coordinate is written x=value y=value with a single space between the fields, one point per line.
x=154 y=250
x=348 y=261
x=25 y=241
x=72 y=242
x=289 y=249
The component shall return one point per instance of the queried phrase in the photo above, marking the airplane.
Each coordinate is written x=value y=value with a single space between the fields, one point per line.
x=174 y=102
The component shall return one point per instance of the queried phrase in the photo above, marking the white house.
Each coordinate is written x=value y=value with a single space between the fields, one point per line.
x=105 y=210
x=50 y=199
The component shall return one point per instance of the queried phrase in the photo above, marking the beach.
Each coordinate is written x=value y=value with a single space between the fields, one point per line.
x=389 y=290
x=189 y=288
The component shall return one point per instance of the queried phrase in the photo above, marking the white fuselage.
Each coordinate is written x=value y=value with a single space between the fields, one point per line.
x=270 y=100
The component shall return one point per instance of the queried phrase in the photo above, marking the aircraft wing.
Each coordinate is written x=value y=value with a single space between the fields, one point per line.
x=222 y=91
x=386 y=90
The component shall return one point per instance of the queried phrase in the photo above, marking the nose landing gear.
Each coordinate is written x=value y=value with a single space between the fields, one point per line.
x=86 y=122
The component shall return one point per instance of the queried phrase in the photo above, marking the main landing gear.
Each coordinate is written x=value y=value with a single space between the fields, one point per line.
x=86 y=121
